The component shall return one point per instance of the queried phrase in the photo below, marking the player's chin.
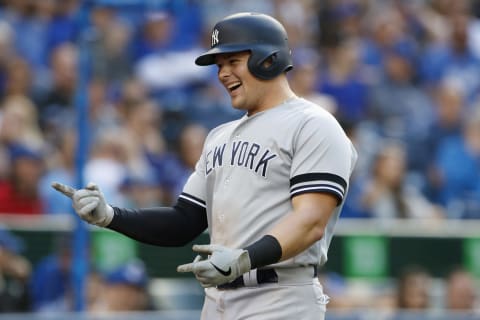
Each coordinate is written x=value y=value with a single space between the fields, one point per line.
x=237 y=102
x=237 y=97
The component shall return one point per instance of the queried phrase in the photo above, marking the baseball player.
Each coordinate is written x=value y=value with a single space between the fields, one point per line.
x=269 y=186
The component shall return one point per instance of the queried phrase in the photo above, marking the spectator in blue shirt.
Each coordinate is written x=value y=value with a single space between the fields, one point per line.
x=458 y=163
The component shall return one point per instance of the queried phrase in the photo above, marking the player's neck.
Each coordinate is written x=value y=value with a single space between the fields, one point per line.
x=271 y=94
x=280 y=92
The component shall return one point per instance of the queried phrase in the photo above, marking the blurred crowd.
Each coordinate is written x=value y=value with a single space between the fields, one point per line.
x=401 y=76
x=413 y=294
x=47 y=286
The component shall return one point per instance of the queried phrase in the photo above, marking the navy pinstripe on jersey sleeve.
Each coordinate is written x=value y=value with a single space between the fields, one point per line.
x=318 y=182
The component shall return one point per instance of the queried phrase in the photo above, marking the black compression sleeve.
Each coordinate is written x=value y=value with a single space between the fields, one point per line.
x=265 y=251
x=161 y=226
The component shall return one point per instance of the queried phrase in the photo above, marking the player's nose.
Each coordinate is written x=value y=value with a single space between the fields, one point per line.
x=223 y=73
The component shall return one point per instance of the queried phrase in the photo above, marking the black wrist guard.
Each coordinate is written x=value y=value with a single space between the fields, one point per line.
x=265 y=251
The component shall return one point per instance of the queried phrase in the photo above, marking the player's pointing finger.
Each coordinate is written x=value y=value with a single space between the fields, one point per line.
x=185 y=267
x=188 y=267
x=204 y=248
x=63 y=188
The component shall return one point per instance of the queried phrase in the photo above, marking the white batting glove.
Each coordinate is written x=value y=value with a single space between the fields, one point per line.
x=89 y=203
x=222 y=266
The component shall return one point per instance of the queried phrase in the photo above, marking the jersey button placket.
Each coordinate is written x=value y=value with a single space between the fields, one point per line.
x=219 y=228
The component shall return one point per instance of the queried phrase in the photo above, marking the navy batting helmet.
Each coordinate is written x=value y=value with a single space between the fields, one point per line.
x=258 y=33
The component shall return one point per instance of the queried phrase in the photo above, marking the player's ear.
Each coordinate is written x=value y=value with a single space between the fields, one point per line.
x=268 y=62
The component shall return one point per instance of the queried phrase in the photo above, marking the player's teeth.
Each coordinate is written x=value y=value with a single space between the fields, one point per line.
x=233 y=86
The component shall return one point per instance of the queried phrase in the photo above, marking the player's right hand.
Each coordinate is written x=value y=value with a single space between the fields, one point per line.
x=89 y=203
x=222 y=265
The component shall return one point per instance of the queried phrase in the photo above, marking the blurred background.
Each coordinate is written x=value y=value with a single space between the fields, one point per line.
x=108 y=91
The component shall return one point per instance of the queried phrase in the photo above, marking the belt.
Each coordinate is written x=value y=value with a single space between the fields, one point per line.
x=263 y=276
x=260 y=276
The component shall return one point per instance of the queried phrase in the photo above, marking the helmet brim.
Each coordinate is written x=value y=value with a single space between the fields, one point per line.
x=208 y=58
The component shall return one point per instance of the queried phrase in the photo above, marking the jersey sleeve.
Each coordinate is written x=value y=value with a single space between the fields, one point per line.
x=194 y=190
x=323 y=159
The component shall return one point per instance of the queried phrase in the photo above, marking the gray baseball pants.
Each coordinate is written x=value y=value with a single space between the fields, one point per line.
x=296 y=295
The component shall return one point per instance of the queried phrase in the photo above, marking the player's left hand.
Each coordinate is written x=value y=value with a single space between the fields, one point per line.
x=89 y=203
x=222 y=265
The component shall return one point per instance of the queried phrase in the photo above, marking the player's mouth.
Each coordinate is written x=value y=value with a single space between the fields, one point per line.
x=233 y=87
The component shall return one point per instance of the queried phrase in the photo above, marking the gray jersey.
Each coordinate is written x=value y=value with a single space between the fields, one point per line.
x=252 y=167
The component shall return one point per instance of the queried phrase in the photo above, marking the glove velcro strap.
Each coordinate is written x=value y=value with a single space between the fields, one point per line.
x=250 y=278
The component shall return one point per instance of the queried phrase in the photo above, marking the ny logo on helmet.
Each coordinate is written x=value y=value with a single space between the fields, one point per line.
x=214 y=37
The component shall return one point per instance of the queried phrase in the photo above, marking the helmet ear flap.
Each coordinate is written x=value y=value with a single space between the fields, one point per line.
x=268 y=64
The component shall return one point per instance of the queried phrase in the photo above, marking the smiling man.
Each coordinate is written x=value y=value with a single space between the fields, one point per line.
x=269 y=186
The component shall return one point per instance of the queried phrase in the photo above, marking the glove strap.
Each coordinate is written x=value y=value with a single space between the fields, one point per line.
x=250 y=278
x=109 y=213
